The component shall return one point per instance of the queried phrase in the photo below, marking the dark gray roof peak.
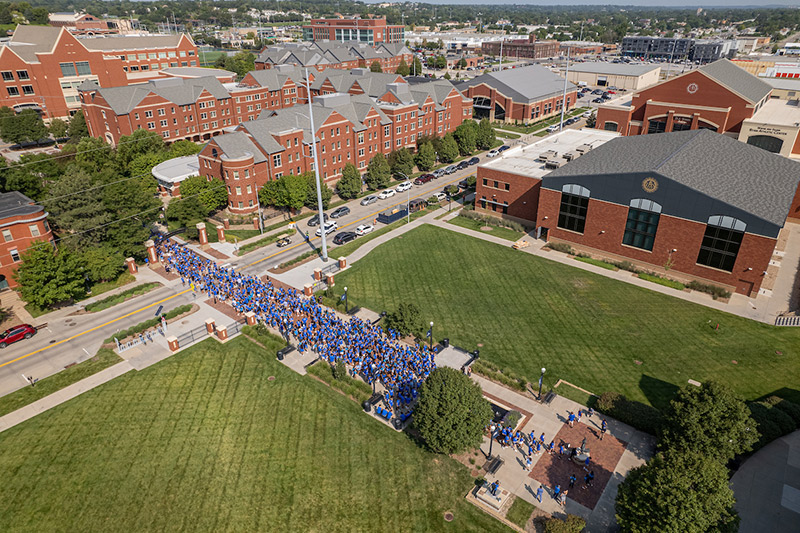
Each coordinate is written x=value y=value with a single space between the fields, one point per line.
x=740 y=81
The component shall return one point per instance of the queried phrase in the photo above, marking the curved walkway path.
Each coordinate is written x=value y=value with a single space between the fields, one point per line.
x=767 y=488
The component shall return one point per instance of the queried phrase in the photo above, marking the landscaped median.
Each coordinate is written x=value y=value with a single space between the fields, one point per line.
x=111 y=301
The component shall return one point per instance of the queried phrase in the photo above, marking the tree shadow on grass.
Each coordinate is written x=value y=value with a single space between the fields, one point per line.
x=658 y=392
x=792 y=395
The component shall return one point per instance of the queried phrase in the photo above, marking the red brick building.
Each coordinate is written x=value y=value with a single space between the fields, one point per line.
x=368 y=30
x=719 y=96
x=323 y=55
x=526 y=94
x=41 y=67
x=186 y=108
x=528 y=48
x=692 y=203
x=357 y=115
x=21 y=223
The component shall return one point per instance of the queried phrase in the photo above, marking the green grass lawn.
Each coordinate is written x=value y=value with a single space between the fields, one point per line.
x=520 y=512
x=203 y=441
x=529 y=312
x=498 y=231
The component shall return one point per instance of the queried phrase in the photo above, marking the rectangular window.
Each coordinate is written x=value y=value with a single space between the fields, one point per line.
x=23 y=75
x=34 y=230
x=8 y=75
x=148 y=114
x=276 y=160
x=640 y=229
x=236 y=174
x=572 y=214
x=163 y=123
x=238 y=190
x=720 y=247
x=12 y=91
x=14 y=255
x=7 y=235
x=27 y=89
x=83 y=68
x=68 y=69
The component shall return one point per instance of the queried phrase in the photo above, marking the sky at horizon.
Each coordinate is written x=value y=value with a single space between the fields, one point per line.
x=629 y=3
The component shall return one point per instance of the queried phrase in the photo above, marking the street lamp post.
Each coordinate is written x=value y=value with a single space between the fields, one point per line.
x=316 y=171
x=374 y=378
x=408 y=198
x=541 y=378
x=345 y=300
x=431 y=332
x=491 y=440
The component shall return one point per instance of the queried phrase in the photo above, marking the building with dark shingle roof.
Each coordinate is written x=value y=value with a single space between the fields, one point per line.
x=22 y=223
x=334 y=54
x=525 y=94
x=718 y=96
x=687 y=205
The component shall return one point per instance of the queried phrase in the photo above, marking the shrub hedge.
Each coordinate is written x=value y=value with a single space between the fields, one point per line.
x=636 y=414
x=492 y=221
x=506 y=377
x=561 y=247
x=349 y=386
x=790 y=408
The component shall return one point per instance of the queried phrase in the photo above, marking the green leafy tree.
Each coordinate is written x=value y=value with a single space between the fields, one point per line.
x=311 y=198
x=32 y=175
x=466 y=138
x=401 y=161
x=186 y=212
x=268 y=194
x=378 y=172
x=93 y=154
x=140 y=142
x=142 y=165
x=569 y=524
x=375 y=66
x=447 y=76
x=416 y=68
x=349 y=185
x=680 y=492
x=58 y=128
x=426 y=157
x=210 y=193
x=241 y=63
x=47 y=277
x=76 y=206
x=403 y=69
x=708 y=420
x=462 y=63
x=102 y=263
x=485 y=136
x=292 y=192
x=77 y=127
x=23 y=127
x=449 y=150
x=452 y=412
x=591 y=122
x=405 y=320
x=134 y=206
x=182 y=148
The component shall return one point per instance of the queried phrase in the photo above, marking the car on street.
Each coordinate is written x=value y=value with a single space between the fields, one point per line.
x=403 y=187
x=329 y=227
x=492 y=153
x=552 y=129
x=463 y=184
x=586 y=90
x=340 y=212
x=363 y=229
x=425 y=178
x=388 y=193
x=314 y=221
x=344 y=237
x=439 y=172
x=606 y=97
x=367 y=200
x=598 y=101
x=474 y=160
x=16 y=334
x=450 y=169
x=440 y=196
x=285 y=241
x=587 y=114
x=503 y=148
x=462 y=165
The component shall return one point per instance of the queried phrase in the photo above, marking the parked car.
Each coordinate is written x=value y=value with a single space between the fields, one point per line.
x=474 y=160
x=463 y=184
x=606 y=97
x=552 y=129
x=314 y=221
x=329 y=227
x=388 y=193
x=439 y=172
x=285 y=241
x=440 y=196
x=344 y=237
x=462 y=165
x=503 y=148
x=597 y=91
x=403 y=187
x=492 y=153
x=425 y=178
x=450 y=169
x=367 y=200
x=363 y=229
x=598 y=101
x=580 y=95
x=340 y=212
x=15 y=334
x=586 y=90
x=587 y=114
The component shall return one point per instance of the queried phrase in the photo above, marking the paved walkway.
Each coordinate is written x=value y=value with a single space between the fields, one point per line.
x=767 y=488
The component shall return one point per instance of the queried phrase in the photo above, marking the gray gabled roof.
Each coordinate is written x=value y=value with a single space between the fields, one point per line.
x=179 y=91
x=131 y=42
x=616 y=69
x=523 y=85
x=14 y=204
x=238 y=144
x=738 y=174
x=27 y=41
x=736 y=79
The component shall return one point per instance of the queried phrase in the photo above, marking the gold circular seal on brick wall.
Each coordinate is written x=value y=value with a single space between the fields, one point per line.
x=650 y=185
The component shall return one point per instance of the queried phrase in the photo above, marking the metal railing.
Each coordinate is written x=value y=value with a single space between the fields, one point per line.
x=143 y=338
x=787 y=321
x=192 y=336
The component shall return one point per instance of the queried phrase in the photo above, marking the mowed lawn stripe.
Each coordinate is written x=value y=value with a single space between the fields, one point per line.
x=529 y=312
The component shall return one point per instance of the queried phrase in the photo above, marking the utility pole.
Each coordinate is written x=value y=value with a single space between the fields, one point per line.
x=316 y=172
x=564 y=96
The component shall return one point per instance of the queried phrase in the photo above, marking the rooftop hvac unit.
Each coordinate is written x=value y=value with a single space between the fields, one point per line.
x=553 y=163
x=569 y=156
x=584 y=148
x=550 y=154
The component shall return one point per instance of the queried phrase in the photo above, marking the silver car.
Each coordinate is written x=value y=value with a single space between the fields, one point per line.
x=367 y=200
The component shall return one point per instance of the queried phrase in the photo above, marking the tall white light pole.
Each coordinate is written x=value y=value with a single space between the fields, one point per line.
x=564 y=97
x=316 y=172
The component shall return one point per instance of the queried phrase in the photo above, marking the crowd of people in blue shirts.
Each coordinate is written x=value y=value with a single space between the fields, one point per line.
x=363 y=346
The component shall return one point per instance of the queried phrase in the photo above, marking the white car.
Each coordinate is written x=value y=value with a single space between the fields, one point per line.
x=363 y=229
x=388 y=193
x=329 y=227
x=403 y=187
x=492 y=153
x=440 y=196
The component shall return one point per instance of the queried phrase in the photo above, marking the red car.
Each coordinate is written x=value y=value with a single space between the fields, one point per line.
x=425 y=178
x=17 y=333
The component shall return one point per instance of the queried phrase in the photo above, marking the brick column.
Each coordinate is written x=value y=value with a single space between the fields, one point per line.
x=203 y=237
x=307 y=289
x=342 y=263
x=226 y=223
x=251 y=318
x=221 y=233
x=329 y=280
x=210 y=326
x=132 y=268
x=152 y=256
x=222 y=333
x=173 y=344
x=317 y=274
x=255 y=222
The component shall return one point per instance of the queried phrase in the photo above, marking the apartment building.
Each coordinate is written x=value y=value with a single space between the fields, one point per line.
x=322 y=55
x=22 y=223
x=365 y=30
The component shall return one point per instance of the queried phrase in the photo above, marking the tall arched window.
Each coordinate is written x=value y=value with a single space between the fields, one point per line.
x=499 y=112
x=721 y=242
x=574 y=204
x=610 y=126
x=642 y=223
x=767 y=142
